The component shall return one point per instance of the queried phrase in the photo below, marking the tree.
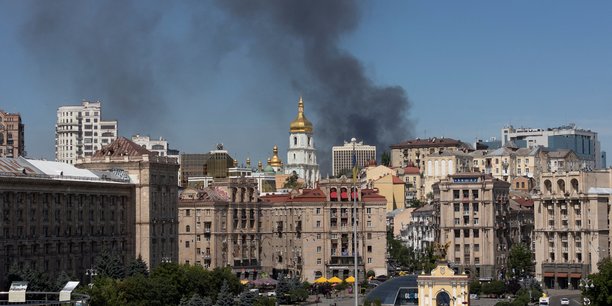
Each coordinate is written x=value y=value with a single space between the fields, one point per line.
x=292 y=182
x=225 y=296
x=519 y=261
x=61 y=281
x=137 y=266
x=600 y=293
x=385 y=159
x=494 y=288
x=247 y=298
x=282 y=290
x=195 y=300
x=109 y=264
x=475 y=287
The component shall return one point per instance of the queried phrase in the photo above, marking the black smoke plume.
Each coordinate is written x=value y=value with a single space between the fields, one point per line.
x=122 y=51
x=345 y=100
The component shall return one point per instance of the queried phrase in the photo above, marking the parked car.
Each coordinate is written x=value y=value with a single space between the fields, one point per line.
x=565 y=301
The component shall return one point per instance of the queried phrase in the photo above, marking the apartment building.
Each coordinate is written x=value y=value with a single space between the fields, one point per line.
x=12 y=137
x=306 y=234
x=414 y=151
x=563 y=160
x=55 y=217
x=80 y=131
x=157 y=146
x=439 y=165
x=572 y=231
x=473 y=222
x=156 y=194
x=421 y=232
x=342 y=156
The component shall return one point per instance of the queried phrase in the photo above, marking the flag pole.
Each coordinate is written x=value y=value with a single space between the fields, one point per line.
x=354 y=195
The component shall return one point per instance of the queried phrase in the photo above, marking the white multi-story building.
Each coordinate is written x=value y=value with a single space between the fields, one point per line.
x=158 y=146
x=301 y=155
x=79 y=131
x=342 y=156
x=583 y=142
x=420 y=233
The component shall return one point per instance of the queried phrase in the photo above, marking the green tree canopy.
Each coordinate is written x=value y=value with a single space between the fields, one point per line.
x=600 y=293
x=520 y=261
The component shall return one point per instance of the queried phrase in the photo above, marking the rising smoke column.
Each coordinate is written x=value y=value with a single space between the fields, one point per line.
x=106 y=49
x=346 y=102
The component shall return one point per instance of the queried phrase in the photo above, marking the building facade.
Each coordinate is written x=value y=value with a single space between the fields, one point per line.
x=584 y=143
x=572 y=228
x=414 y=151
x=157 y=146
x=302 y=154
x=12 y=136
x=80 y=131
x=57 y=218
x=156 y=196
x=421 y=232
x=473 y=222
x=342 y=156
x=306 y=234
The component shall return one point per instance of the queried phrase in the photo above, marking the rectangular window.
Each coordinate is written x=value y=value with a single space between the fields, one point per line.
x=475 y=221
x=318 y=223
x=456 y=207
x=457 y=233
x=466 y=233
x=186 y=244
x=369 y=259
x=318 y=211
x=318 y=249
x=476 y=233
x=476 y=247
x=369 y=249
x=457 y=221
x=318 y=261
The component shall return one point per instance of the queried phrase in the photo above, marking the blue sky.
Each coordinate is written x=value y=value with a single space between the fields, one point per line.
x=468 y=69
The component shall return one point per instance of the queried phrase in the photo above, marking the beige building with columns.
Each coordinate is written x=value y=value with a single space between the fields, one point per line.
x=572 y=231
x=156 y=194
x=306 y=233
x=473 y=222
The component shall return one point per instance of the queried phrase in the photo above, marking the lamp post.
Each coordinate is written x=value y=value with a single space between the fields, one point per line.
x=585 y=285
x=354 y=195
x=91 y=273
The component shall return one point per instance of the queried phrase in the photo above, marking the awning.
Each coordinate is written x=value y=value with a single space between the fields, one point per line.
x=321 y=280
x=549 y=274
x=349 y=279
x=244 y=281
x=335 y=280
x=575 y=275
x=333 y=194
x=561 y=274
x=344 y=195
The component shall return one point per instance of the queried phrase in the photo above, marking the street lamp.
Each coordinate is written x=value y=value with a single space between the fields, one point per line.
x=91 y=273
x=166 y=259
x=586 y=284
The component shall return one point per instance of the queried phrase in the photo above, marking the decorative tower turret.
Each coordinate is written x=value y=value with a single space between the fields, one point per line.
x=301 y=155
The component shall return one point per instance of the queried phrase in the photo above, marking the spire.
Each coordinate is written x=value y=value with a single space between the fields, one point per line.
x=300 y=124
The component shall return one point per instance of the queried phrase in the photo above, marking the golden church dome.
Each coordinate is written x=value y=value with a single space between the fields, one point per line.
x=275 y=161
x=300 y=124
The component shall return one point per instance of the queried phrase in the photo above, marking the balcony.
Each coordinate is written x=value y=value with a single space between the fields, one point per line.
x=345 y=262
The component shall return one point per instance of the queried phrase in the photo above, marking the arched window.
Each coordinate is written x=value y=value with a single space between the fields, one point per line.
x=547 y=186
x=333 y=194
x=437 y=168
x=575 y=185
x=444 y=168
x=309 y=141
x=429 y=168
x=188 y=228
x=295 y=141
x=451 y=169
x=561 y=186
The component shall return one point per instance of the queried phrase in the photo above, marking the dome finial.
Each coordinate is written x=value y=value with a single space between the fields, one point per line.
x=300 y=124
